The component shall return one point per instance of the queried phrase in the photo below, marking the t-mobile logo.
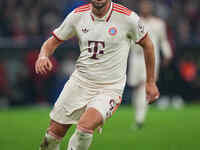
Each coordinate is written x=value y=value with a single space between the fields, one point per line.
x=96 y=48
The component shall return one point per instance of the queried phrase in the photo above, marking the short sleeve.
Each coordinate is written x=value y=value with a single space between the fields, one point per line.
x=137 y=28
x=66 y=30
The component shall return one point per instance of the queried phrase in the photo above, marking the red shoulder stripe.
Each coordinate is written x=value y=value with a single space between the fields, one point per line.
x=83 y=6
x=82 y=10
x=128 y=13
x=120 y=6
x=120 y=9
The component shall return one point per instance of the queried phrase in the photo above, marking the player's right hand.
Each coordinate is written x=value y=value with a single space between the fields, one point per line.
x=43 y=65
x=152 y=92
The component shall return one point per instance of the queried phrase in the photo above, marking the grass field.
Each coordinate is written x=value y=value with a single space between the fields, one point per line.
x=23 y=129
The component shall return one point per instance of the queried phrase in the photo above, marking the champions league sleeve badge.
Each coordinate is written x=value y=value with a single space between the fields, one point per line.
x=141 y=26
x=112 y=31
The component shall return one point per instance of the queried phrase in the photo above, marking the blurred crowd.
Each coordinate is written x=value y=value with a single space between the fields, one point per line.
x=20 y=19
x=20 y=85
x=24 y=19
x=181 y=16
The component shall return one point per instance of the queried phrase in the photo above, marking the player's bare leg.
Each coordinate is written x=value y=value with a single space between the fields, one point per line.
x=82 y=137
x=53 y=136
x=140 y=104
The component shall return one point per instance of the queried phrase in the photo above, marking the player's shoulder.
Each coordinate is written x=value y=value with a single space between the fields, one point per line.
x=82 y=9
x=121 y=10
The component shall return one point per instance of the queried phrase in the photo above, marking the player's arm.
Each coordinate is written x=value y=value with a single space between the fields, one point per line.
x=151 y=88
x=63 y=32
x=149 y=56
x=141 y=37
x=43 y=63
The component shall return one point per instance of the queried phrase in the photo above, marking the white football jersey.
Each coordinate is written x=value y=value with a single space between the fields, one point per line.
x=104 y=42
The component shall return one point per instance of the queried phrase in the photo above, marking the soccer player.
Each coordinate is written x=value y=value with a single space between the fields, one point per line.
x=93 y=92
x=137 y=70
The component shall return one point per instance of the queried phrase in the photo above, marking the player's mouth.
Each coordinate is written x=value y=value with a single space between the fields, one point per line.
x=98 y=4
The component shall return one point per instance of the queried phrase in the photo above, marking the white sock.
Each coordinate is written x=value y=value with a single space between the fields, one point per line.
x=50 y=143
x=80 y=141
x=140 y=103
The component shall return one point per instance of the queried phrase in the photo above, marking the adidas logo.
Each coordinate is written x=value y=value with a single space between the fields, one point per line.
x=85 y=30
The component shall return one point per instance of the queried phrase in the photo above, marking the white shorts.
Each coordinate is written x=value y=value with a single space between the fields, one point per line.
x=76 y=97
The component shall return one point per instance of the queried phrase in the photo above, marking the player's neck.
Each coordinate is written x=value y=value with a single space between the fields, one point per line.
x=101 y=12
x=146 y=15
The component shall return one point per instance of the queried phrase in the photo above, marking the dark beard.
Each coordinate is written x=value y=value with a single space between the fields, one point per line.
x=98 y=6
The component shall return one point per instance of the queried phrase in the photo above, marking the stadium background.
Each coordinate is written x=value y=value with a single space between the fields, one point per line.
x=26 y=99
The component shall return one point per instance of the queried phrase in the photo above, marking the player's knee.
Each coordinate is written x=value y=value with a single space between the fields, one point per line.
x=90 y=121
x=57 y=130
x=54 y=135
x=84 y=128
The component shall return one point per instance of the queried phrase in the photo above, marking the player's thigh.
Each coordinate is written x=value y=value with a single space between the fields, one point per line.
x=70 y=104
x=90 y=119
x=57 y=129
x=98 y=110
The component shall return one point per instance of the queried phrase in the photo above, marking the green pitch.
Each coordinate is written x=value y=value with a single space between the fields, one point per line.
x=23 y=129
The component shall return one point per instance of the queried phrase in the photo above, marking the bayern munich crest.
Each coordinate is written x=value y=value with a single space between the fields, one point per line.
x=112 y=31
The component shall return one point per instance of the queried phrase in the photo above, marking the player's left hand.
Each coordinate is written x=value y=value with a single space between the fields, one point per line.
x=152 y=92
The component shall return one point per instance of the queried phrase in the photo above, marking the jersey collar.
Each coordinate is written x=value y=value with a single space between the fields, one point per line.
x=106 y=17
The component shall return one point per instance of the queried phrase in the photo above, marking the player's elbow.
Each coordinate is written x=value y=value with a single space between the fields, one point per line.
x=51 y=43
